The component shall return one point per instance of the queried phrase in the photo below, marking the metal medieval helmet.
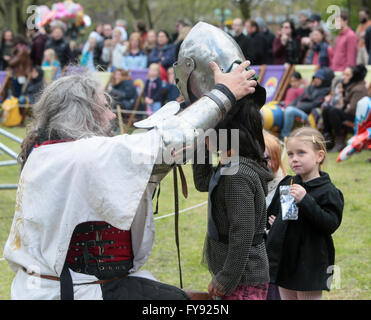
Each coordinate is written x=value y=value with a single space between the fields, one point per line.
x=193 y=74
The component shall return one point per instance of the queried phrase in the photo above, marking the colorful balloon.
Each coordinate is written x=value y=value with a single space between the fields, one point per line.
x=272 y=114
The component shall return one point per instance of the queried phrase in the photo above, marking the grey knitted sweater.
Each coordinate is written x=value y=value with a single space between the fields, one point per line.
x=239 y=213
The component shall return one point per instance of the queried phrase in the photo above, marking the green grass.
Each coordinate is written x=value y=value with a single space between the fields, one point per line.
x=352 y=239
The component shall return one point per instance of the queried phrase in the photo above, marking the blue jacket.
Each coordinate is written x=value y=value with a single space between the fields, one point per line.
x=166 y=55
x=155 y=90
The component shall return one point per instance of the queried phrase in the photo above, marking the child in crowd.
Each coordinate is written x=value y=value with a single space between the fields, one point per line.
x=172 y=90
x=296 y=89
x=122 y=89
x=301 y=252
x=273 y=156
x=154 y=89
x=50 y=60
x=234 y=249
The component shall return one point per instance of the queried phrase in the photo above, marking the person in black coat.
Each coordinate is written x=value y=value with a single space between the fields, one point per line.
x=242 y=40
x=122 y=89
x=60 y=46
x=259 y=46
x=269 y=39
x=301 y=252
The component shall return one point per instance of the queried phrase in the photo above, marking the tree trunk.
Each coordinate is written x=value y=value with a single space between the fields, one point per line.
x=149 y=16
x=366 y=4
x=245 y=9
x=139 y=11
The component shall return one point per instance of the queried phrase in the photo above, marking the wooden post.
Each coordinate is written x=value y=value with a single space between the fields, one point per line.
x=262 y=72
x=119 y=116
x=131 y=118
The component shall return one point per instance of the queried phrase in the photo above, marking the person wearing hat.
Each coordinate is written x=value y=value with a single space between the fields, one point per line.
x=303 y=29
x=312 y=97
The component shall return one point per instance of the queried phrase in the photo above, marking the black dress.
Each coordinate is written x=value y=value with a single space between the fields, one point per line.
x=301 y=252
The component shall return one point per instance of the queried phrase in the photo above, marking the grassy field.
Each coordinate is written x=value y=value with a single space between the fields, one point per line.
x=352 y=239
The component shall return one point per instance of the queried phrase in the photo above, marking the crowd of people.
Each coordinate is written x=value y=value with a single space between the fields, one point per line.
x=110 y=47
x=312 y=43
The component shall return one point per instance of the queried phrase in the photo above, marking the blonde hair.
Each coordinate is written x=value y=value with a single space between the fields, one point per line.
x=157 y=66
x=137 y=36
x=311 y=135
x=52 y=53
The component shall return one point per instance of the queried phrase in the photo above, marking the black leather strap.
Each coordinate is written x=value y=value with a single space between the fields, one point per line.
x=226 y=91
x=66 y=284
x=176 y=222
x=218 y=102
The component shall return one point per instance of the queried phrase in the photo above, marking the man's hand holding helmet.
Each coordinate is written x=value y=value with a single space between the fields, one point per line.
x=237 y=81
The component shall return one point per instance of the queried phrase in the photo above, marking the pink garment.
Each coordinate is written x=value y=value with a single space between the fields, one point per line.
x=287 y=294
x=243 y=292
x=292 y=94
x=345 y=51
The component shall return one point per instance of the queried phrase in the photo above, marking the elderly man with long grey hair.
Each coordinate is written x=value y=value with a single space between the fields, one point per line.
x=83 y=224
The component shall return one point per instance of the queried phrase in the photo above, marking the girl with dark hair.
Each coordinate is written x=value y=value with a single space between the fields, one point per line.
x=354 y=88
x=286 y=47
x=234 y=250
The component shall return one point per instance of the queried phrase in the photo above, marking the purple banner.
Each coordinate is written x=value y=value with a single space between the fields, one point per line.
x=271 y=79
x=257 y=69
x=74 y=70
x=2 y=77
x=139 y=74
